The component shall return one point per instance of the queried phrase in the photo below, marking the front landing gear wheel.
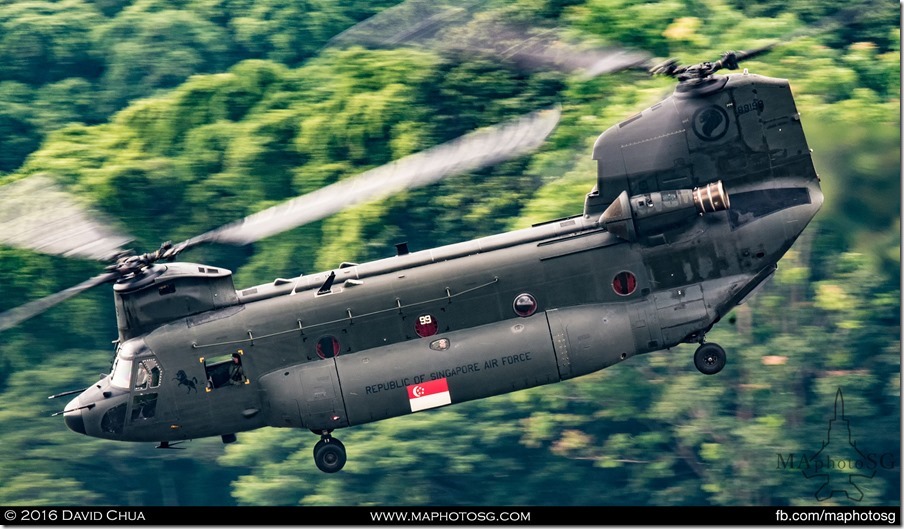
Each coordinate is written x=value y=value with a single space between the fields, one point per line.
x=329 y=455
x=709 y=358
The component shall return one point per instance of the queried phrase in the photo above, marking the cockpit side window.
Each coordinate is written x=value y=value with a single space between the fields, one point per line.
x=148 y=374
x=144 y=406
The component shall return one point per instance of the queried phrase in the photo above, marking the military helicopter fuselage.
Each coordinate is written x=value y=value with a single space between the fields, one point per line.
x=697 y=199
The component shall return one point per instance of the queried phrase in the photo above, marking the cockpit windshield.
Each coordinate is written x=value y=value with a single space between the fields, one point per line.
x=122 y=371
x=122 y=366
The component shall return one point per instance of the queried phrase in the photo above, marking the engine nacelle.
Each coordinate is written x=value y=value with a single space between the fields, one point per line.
x=163 y=293
x=659 y=212
x=734 y=128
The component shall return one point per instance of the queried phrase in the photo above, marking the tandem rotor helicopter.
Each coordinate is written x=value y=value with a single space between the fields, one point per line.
x=696 y=200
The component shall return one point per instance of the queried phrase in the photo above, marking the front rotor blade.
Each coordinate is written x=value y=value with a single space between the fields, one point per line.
x=454 y=28
x=15 y=316
x=470 y=152
x=36 y=215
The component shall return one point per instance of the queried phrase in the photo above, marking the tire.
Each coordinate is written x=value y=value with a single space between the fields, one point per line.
x=325 y=441
x=330 y=456
x=709 y=358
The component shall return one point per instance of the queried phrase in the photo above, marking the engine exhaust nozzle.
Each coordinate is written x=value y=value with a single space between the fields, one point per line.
x=711 y=198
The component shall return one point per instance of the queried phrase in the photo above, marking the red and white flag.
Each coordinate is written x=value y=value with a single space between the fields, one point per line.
x=428 y=395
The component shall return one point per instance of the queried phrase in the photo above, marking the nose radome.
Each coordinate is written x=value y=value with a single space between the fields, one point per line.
x=74 y=420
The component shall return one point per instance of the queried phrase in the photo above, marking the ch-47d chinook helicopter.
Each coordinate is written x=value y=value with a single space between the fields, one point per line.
x=696 y=200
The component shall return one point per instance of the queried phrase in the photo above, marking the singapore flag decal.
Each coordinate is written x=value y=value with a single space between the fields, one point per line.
x=428 y=395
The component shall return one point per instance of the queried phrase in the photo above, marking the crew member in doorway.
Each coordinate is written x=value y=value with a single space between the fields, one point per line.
x=236 y=373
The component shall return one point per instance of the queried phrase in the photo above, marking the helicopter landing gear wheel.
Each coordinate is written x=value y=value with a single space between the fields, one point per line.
x=329 y=454
x=709 y=358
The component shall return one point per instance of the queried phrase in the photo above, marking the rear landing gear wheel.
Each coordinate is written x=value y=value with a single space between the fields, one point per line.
x=329 y=454
x=709 y=358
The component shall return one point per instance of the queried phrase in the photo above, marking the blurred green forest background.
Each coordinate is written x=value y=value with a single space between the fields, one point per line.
x=175 y=117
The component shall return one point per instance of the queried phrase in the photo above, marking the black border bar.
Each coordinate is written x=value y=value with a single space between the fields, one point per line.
x=445 y=515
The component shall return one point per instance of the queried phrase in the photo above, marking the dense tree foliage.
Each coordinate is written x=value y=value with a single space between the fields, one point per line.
x=174 y=117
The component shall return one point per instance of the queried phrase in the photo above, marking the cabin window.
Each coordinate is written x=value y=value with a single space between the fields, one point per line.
x=148 y=374
x=327 y=347
x=225 y=370
x=426 y=325
x=122 y=372
x=624 y=283
x=524 y=305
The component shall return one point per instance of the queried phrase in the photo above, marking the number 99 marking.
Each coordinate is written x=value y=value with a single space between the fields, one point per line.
x=426 y=325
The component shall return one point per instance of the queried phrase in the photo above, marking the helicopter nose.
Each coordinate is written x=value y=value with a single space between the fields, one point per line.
x=72 y=416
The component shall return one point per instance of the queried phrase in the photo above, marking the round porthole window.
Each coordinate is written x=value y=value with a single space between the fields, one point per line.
x=525 y=305
x=624 y=283
x=425 y=325
x=327 y=347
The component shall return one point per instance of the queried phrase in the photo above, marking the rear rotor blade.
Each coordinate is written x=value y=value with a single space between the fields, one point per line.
x=36 y=215
x=473 y=151
x=15 y=316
